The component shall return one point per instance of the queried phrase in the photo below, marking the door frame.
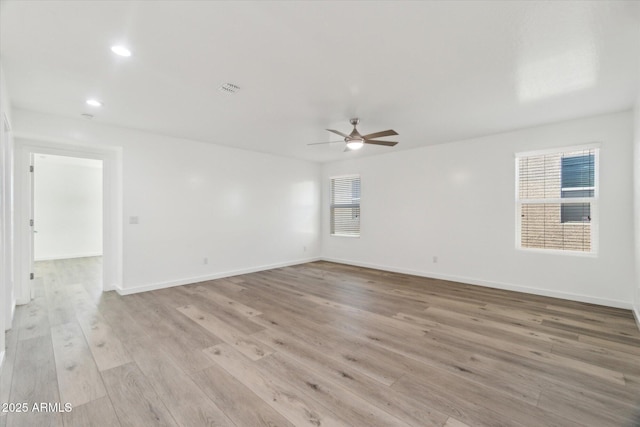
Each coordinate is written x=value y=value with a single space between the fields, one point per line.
x=112 y=224
x=6 y=224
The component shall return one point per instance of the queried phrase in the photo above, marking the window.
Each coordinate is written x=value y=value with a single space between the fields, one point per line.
x=556 y=199
x=578 y=178
x=345 y=206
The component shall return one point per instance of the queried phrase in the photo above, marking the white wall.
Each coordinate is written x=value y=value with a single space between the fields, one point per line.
x=246 y=211
x=67 y=207
x=242 y=210
x=456 y=201
x=7 y=300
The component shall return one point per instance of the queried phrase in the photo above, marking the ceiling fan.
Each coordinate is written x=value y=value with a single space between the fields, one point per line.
x=355 y=141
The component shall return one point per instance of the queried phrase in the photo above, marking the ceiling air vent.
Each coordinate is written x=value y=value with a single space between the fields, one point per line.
x=229 y=88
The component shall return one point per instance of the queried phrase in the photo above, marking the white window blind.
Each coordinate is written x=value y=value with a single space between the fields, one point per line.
x=345 y=206
x=556 y=200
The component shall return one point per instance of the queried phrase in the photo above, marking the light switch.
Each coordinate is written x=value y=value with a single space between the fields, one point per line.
x=133 y=220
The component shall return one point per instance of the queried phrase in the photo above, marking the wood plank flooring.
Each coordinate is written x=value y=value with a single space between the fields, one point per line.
x=318 y=344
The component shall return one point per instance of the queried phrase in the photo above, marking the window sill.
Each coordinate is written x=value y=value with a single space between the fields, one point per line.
x=560 y=252
x=345 y=235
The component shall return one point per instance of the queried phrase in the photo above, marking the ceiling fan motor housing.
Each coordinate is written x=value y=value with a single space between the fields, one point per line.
x=354 y=133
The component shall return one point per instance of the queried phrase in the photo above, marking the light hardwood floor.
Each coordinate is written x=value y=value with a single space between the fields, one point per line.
x=318 y=344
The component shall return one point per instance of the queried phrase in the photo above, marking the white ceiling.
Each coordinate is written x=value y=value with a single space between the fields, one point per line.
x=433 y=71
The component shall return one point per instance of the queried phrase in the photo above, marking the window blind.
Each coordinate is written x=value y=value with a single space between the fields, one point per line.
x=345 y=206
x=578 y=176
x=555 y=200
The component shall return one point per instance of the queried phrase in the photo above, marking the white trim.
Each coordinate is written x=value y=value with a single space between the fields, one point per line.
x=13 y=313
x=490 y=284
x=567 y=252
x=589 y=146
x=68 y=256
x=556 y=201
x=6 y=122
x=349 y=175
x=2 y=358
x=636 y=314
x=593 y=201
x=198 y=279
x=7 y=245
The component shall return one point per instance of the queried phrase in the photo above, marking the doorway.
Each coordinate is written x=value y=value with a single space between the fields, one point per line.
x=68 y=218
x=28 y=152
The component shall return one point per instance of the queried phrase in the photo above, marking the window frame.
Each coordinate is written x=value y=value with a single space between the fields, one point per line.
x=593 y=201
x=331 y=206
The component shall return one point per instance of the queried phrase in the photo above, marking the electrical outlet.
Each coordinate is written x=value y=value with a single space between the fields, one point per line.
x=205 y=260
x=134 y=220
x=435 y=259
x=304 y=248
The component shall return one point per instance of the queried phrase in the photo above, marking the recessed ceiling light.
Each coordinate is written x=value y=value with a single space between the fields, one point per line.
x=120 y=50
x=229 y=88
x=94 y=103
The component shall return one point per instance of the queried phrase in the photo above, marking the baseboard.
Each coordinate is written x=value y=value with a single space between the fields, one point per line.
x=68 y=256
x=460 y=279
x=190 y=280
x=2 y=359
x=13 y=312
x=490 y=284
x=636 y=314
x=23 y=301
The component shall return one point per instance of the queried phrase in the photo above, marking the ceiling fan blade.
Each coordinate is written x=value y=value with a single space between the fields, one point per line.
x=387 y=143
x=344 y=135
x=328 y=142
x=389 y=132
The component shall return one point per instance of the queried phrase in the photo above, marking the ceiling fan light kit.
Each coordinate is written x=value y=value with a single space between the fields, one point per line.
x=355 y=144
x=356 y=141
